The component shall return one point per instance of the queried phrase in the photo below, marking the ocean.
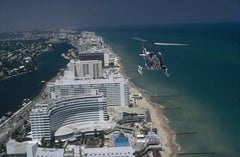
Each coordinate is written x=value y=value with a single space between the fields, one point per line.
x=201 y=97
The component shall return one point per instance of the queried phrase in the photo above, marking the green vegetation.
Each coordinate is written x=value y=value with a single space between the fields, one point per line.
x=20 y=134
x=19 y=55
x=96 y=140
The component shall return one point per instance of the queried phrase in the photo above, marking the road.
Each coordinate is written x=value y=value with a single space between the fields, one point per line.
x=14 y=122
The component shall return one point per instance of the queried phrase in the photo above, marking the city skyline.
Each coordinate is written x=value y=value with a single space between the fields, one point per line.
x=39 y=15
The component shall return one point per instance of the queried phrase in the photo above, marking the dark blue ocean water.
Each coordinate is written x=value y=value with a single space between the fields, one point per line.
x=15 y=89
x=204 y=84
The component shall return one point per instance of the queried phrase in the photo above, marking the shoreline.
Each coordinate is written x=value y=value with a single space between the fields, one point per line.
x=166 y=135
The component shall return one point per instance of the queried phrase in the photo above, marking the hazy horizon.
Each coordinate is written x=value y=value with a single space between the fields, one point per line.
x=25 y=15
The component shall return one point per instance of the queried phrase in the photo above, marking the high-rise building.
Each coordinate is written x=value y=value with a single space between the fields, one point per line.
x=91 y=68
x=46 y=118
x=92 y=56
x=89 y=40
x=116 y=90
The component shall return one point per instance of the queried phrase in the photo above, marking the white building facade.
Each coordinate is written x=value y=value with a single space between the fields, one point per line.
x=116 y=90
x=91 y=68
x=46 y=118
x=78 y=151
x=49 y=152
x=108 y=152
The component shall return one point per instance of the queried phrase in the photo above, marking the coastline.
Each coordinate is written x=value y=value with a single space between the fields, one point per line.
x=15 y=75
x=166 y=135
x=185 y=103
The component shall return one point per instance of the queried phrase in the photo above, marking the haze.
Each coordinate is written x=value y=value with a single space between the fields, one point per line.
x=18 y=15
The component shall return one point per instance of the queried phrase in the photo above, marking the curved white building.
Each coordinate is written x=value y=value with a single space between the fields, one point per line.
x=47 y=118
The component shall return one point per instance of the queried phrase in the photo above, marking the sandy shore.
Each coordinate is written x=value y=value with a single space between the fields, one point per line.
x=166 y=135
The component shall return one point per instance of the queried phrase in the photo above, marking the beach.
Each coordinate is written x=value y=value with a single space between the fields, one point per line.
x=159 y=121
x=165 y=134
x=193 y=99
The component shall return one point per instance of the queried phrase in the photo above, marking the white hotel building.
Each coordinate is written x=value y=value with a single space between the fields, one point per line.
x=91 y=68
x=77 y=151
x=116 y=90
x=47 y=118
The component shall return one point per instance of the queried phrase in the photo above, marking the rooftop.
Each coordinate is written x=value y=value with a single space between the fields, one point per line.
x=83 y=127
x=69 y=80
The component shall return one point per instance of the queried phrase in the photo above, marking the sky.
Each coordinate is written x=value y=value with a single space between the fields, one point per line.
x=16 y=15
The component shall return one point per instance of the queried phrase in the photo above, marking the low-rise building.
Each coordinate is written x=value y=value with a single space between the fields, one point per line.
x=108 y=152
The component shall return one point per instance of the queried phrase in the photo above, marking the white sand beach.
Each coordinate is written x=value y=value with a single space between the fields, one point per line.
x=166 y=135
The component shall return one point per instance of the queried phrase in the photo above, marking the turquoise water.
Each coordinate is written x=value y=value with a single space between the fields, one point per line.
x=121 y=142
x=204 y=84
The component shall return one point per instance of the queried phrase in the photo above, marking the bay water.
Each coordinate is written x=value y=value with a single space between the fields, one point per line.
x=14 y=90
x=201 y=97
